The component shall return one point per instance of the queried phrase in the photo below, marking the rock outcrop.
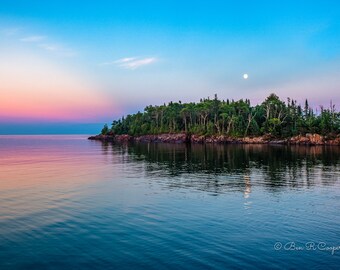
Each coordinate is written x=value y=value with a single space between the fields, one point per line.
x=165 y=138
x=112 y=138
x=308 y=139
x=335 y=141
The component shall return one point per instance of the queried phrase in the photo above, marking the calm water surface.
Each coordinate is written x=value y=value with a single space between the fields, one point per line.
x=66 y=202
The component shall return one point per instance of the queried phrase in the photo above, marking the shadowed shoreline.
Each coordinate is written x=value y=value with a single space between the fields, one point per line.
x=308 y=139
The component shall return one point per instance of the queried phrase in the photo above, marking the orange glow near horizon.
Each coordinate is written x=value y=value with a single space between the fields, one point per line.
x=33 y=88
x=76 y=108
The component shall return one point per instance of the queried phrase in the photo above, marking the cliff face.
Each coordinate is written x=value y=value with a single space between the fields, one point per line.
x=308 y=139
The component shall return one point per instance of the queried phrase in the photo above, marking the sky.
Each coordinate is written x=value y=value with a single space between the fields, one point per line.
x=87 y=62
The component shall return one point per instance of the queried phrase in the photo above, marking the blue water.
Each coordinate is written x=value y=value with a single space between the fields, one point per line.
x=67 y=203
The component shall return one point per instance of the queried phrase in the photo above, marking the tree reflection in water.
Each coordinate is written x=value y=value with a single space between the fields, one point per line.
x=221 y=168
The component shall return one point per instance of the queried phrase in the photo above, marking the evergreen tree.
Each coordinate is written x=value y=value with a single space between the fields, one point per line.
x=232 y=118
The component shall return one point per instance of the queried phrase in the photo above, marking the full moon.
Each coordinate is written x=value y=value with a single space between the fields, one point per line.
x=245 y=76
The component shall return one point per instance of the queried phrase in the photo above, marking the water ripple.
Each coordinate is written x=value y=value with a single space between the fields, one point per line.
x=71 y=203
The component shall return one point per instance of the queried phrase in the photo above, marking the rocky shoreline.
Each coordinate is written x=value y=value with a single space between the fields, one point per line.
x=308 y=139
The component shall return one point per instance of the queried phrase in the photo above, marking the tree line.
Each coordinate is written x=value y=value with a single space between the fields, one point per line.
x=228 y=117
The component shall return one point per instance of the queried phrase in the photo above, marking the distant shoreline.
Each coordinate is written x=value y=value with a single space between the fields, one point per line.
x=179 y=138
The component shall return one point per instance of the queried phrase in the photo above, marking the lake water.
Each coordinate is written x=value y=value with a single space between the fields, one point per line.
x=66 y=203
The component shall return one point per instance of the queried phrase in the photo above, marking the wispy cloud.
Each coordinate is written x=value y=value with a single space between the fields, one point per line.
x=131 y=62
x=41 y=41
x=32 y=38
x=126 y=60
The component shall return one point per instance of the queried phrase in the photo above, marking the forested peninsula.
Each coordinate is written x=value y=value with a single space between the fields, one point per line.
x=229 y=121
